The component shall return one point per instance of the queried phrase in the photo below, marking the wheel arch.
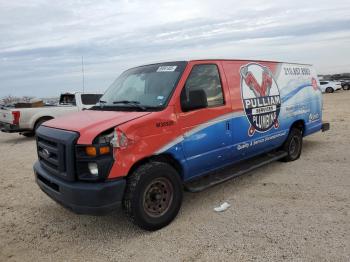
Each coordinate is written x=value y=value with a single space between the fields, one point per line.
x=299 y=124
x=164 y=158
x=46 y=118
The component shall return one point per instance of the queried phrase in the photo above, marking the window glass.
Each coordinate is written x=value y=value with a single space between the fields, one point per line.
x=67 y=99
x=204 y=77
x=90 y=99
x=148 y=86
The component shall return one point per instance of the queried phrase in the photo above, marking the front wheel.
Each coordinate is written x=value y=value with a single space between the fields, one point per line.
x=329 y=90
x=153 y=195
x=293 y=145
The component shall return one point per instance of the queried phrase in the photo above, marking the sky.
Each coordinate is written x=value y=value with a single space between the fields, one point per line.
x=42 y=42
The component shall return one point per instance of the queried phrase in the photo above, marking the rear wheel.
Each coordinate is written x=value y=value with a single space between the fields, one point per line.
x=293 y=145
x=329 y=90
x=153 y=195
x=28 y=134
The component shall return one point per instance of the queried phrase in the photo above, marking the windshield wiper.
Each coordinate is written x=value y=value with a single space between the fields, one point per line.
x=134 y=103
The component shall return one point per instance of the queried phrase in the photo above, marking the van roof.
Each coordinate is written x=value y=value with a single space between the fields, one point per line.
x=80 y=92
x=250 y=60
x=221 y=59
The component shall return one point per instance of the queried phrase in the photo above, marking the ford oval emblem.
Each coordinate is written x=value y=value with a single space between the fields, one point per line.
x=46 y=153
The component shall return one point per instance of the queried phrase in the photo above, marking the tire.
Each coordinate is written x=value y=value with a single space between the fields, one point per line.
x=293 y=145
x=28 y=134
x=153 y=195
x=329 y=90
x=346 y=87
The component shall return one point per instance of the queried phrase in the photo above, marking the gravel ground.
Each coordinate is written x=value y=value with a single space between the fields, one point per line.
x=298 y=211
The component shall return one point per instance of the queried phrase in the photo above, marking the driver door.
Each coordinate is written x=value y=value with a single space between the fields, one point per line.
x=206 y=133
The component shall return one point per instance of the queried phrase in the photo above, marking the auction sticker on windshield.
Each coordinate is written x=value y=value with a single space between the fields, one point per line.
x=166 y=68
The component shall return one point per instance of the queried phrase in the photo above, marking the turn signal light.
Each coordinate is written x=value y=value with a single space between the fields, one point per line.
x=90 y=151
x=93 y=151
x=104 y=150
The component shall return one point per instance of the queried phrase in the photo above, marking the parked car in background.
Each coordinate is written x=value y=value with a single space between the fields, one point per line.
x=338 y=85
x=345 y=84
x=329 y=86
x=27 y=120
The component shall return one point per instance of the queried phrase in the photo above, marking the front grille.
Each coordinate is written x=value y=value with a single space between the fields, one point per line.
x=56 y=151
x=51 y=155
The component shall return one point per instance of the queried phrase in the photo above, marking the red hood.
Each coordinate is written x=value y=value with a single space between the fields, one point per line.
x=90 y=123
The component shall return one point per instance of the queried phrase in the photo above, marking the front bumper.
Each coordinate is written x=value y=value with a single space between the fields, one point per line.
x=81 y=197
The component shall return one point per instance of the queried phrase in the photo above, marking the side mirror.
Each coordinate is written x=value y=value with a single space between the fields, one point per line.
x=196 y=99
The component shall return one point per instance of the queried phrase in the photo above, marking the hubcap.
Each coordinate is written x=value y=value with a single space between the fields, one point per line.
x=158 y=197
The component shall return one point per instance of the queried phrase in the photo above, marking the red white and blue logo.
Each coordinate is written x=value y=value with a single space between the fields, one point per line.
x=260 y=96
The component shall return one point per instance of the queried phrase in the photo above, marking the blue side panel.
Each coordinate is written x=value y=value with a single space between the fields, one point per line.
x=302 y=103
x=207 y=148
x=215 y=146
x=312 y=127
x=177 y=152
x=246 y=145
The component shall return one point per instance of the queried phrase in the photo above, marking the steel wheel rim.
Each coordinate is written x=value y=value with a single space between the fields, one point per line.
x=158 y=197
x=294 y=146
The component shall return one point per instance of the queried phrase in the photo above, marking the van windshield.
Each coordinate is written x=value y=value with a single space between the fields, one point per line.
x=142 y=88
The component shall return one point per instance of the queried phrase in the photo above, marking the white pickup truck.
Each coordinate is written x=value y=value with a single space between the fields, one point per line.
x=27 y=120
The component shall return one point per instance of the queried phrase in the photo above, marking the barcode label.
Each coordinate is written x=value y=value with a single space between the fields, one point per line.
x=166 y=69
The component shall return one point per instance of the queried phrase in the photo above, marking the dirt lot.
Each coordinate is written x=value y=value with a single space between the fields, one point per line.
x=298 y=211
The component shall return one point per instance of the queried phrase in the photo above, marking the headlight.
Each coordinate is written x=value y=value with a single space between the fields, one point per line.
x=105 y=138
x=114 y=137
x=93 y=168
x=93 y=162
x=120 y=140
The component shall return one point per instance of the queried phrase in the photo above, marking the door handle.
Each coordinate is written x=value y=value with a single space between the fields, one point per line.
x=227 y=125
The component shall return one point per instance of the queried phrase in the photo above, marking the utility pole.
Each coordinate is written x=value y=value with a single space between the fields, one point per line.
x=82 y=70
